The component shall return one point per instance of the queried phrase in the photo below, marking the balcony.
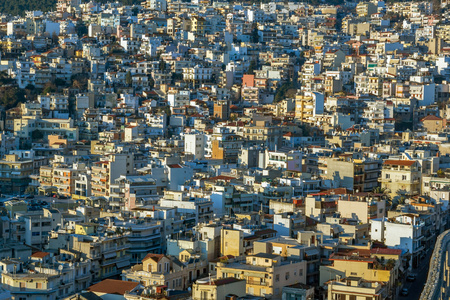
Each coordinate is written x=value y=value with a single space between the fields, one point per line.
x=125 y=258
x=255 y=282
x=384 y=180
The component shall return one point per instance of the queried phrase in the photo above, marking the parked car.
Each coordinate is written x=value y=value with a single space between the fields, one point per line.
x=411 y=278
x=404 y=292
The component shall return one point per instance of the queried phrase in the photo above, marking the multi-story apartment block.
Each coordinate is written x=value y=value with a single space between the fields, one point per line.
x=159 y=269
x=401 y=232
x=401 y=177
x=104 y=173
x=265 y=274
x=15 y=174
x=108 y=254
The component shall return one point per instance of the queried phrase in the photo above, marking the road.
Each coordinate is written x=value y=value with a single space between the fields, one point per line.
x=415 y=288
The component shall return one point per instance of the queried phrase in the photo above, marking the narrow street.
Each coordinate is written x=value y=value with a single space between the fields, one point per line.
x=415 y=288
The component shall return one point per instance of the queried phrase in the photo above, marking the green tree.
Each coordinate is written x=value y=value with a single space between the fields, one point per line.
x=162 y=65
x=11 y=96
x=128 y=78
x=254 y=38
x=252 y=67
x=37 y=135
x=30 y=190
x=49 y=88
x=283 y=90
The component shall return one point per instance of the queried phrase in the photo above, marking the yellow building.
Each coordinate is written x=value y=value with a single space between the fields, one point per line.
x=265 y=274
x=356 y=288
x=231 y=242
x=401 y=177
x=31 y=286
x=198 y=25
x=86 y=228
x=159 y=269
x=308 y=107
x=377 y=264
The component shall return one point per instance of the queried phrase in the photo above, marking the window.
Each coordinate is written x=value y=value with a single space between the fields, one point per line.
x=287 y=275
x=38 y=285
x=277 y=278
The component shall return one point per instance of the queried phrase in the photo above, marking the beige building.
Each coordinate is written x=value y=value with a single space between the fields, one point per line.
x=231 y=242
x=108 y=254
x=218 y=289
x=401 y=177
x=377 y=264
x=31 y=286
x=15 y=174
x=362 y=208
x=356 y=288
x=265 y=274
x=433 y=123
x=159 y=269
x=355 y=174
x=105 y=172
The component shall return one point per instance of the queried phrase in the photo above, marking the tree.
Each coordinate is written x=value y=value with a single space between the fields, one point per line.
x=252 y=67
x=151 y=82
x=254 y=38
x=37 y=135
x=81 y=29
x=162 y=65
x=11 y=96
x=283 y=90
x=30 y=190
x=128 y=78
x=60 y=82
x=440 y=173
x=49 y=88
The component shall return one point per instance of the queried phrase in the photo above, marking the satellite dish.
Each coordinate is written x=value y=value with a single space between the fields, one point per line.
x=81 y=259
x=60 y=267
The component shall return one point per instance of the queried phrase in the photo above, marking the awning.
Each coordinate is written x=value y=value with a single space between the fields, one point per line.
x=109 y=255
x=312 y=252
x=122 y=264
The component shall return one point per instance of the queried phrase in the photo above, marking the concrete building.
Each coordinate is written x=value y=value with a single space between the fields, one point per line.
x=402 y=232
x=218 y=289
x=195 y=144
x=401 y=177
x=231 y=242
x=265 y=274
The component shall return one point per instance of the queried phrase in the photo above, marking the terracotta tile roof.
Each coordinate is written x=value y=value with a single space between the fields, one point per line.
x=387 y=251
x=175 y=166
x=155 y=257
x=40 y=254
x=398 y=162
x=431 y=118
x=112 y=286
